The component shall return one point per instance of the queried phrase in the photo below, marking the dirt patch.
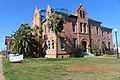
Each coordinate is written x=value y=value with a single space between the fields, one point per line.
x=90 y=69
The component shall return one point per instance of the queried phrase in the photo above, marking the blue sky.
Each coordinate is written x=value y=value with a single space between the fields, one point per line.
x=14 y=12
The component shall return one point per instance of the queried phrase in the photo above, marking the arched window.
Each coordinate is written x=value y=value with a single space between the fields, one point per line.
x=75 y=43
x=62 y=43
x=97 y=30
x=52 y=44
x=48 y=44
x=85 y=28
x=74 y=27
x=109 y=45
x=80 y=27
x=49 y=29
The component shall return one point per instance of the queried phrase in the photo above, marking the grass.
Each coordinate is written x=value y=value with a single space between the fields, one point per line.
x=99 y=68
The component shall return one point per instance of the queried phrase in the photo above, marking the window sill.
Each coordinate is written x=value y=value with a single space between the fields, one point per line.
x=52 y=49
x=63 y=49
x=74 y=32
x=48 y=50
x=63 y=31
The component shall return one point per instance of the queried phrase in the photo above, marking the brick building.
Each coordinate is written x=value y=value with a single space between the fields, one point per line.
x=78 y=30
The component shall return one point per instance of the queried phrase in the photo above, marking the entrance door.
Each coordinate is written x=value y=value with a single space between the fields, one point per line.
x=84 y=45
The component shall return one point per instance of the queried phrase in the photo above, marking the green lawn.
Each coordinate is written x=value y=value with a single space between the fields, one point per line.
x=99 y=68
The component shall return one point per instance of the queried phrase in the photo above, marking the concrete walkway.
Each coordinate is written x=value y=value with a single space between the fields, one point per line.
x=1 y=70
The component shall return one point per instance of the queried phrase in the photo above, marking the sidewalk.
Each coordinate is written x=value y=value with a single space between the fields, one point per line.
x=1 y=70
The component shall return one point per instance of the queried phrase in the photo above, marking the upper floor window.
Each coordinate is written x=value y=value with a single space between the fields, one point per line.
x=62 y=43
x=74 y=27
x=102 y=33
x=108 y=35
x=45 y=29
x=63 y=29
x=49 y=29
x=97 y=30
x=80 y=27
x=90 y=29
x=83 y=14
x=85 y=28
x=109 y=45
x=75 y=43
x=48 y=44
x=52 y=44
x=80 y=13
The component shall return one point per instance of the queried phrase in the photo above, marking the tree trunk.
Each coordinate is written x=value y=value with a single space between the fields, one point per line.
x=40 y=48
x=32 y=52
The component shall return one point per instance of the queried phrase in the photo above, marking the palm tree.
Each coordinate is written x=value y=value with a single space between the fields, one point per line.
x=55 y=22
x=23 y=40
x=37 y=32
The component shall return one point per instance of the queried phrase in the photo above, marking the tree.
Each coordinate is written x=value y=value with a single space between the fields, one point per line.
x=81 y=47
x=23 y=40
x=55 y=22
x=37 y=32
x=95 y=46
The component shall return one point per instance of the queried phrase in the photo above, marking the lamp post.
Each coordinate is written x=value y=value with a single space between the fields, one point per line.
x=116 y=42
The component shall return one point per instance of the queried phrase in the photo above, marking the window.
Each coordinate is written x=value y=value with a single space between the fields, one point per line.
x=80 y=27
x=75 y=43
x=45 y=28
x=48 y=44
x=52 y=44
x=97 y=30
x=63 y=29
x=49 y=29
x=62 y=43
x=85 y=28
x=74 y=27
x=81 y=13
x=108 y=35
x=102 y=33
x=90 y=29
x=109 y=45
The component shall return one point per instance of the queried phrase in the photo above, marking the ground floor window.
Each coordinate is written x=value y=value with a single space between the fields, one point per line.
x=109 y=45
x=75 y=43
x=62 y=43
x=52 y=44
x=48 y=44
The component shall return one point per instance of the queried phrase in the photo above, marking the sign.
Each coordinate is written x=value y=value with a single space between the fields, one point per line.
x=8 y=40
x=15 y=57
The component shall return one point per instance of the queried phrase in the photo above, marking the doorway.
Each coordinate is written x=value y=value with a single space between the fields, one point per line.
x=84 y=45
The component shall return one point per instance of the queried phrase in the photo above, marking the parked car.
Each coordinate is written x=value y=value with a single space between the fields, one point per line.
x=86 y=54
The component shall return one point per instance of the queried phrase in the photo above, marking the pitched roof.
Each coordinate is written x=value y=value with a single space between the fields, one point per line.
x=57 y=10
x=104 y=27
x=89 y=19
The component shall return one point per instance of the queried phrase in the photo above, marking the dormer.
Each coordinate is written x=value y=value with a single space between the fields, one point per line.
x=81 y=12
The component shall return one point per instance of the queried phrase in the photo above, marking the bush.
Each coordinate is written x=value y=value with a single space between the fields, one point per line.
x=109 y=52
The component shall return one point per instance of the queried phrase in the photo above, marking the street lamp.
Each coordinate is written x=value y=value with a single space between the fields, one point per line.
x=116 y=42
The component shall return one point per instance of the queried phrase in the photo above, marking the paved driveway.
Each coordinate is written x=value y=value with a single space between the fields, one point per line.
x=1 y=70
